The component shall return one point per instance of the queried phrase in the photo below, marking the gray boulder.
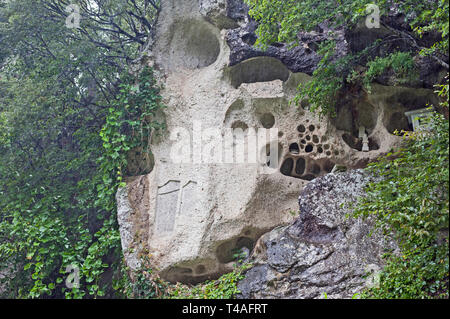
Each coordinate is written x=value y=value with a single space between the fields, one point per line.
x=324 y=251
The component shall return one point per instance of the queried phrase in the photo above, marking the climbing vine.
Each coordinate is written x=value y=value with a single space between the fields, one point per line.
x=411 y=205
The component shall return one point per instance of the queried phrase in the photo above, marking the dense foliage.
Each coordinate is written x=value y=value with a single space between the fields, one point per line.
x=282 y=20
x=223 y=288
x=70 y=110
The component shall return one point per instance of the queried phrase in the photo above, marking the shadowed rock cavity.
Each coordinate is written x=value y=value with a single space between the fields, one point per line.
x=398 y=122
x=305 y=168
x=193 y=45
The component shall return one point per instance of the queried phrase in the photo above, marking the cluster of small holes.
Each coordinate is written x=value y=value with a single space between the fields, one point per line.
x=311 y=143
x=267 y=120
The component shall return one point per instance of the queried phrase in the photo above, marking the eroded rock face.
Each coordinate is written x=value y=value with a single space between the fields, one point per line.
x=323 y=251
x=190 y=217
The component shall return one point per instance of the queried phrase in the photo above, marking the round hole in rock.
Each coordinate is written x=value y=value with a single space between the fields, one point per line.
x=286 y=168
x=328 y=153
x=328 y=166
x=303 y=141
x=294 y=148
x=326 y=146
x=320 y=149
x=193 y=45
x=280 y=134
x=309 y=177
x=300 y=166
x=309 y=148
x=308 y=138
x=311 y=128
x=267 y=120
x=315 y=139
x=301 y=128
x=336 y=152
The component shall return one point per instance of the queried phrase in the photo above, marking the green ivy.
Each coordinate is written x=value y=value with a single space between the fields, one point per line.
x=65 y=128
x=411 y=205
x=144 y=283
x=281 y=20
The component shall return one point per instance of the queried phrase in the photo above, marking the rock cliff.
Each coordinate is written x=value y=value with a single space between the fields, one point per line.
x=197 y=206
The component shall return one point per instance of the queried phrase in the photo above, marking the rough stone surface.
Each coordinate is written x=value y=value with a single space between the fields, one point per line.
x=189 y=217
x=323 y=251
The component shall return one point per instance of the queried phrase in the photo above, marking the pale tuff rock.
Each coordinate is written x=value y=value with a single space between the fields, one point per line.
x=191 y=217
x=323 y=251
